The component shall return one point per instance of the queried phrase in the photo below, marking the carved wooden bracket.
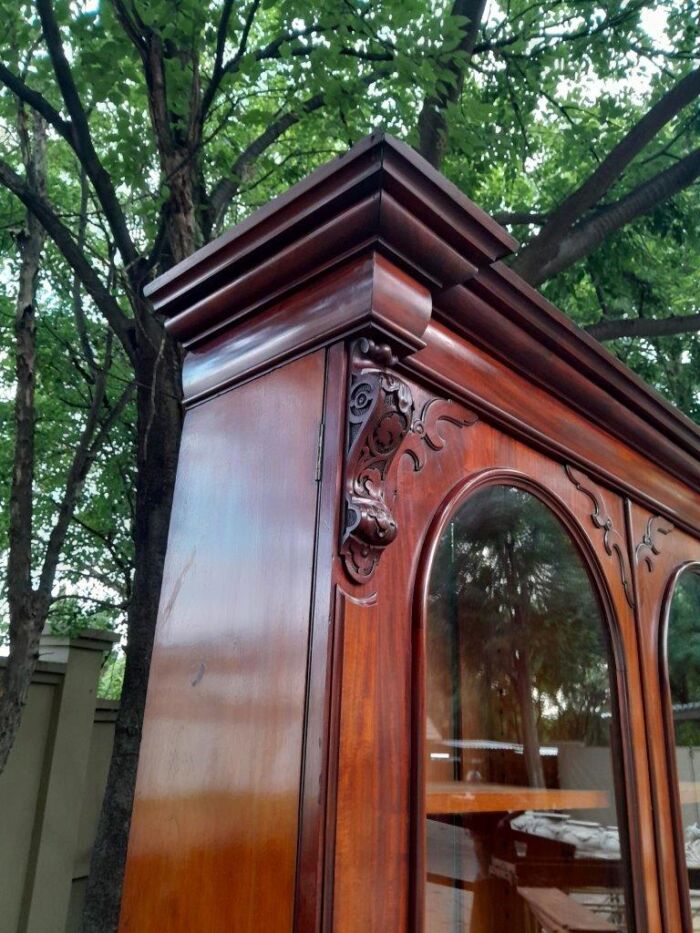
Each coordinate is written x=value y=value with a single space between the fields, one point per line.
x=380 y=417
x=650 y=546
x=380 y=414
x=613 y=540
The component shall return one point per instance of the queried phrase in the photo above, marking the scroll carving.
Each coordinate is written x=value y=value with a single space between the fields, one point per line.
x=380 y=414
x=380 y=417
x=613 y=540
x=650 y=545
x=424 y=430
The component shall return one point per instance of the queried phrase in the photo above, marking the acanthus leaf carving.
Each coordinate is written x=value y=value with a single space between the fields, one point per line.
x=650 y=545
x=613 y=541
x=380 y=416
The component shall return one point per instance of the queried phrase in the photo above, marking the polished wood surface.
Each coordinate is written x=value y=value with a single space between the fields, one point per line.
x=556 y=912
x=213 y=841
x=528 y=411
x=378 y=671
x=370 y=291
x=456 y=797
x=656 y=571
x=317 y=831
x=281 y=784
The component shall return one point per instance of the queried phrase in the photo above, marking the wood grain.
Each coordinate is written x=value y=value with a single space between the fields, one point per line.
x=214 y=833
x=281 y=785
x=457 y=797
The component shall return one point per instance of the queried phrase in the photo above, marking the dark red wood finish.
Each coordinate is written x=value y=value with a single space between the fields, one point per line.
x=376 y=689
x=279 y=784
x=214 y=832
x=656 y=575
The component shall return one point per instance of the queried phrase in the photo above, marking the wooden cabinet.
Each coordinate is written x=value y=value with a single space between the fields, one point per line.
x=410 y=671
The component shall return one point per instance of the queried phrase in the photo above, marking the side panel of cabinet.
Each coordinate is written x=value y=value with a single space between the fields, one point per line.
x=660 y=551
x=377 y=882
x=214 y=833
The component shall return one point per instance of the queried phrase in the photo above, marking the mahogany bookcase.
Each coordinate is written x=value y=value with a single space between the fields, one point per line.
x=359 y=361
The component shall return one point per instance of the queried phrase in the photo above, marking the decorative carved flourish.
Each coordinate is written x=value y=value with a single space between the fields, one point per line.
x=650 y=547
x=613 y=540
x=380 y=416
x=424 y=430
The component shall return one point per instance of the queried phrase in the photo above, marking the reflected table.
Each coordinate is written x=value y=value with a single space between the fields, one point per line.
x=483 y=864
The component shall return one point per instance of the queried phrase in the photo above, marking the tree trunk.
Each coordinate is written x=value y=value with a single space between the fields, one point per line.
x=158 y=428
x=528 y=720
x=26 y=610
x=19 y=669
x=432 y=121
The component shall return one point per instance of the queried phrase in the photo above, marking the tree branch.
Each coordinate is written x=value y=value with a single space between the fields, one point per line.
x=542 y=247
x=432 y=127
x=645 y=327
x=91 y=439
x=218 y=71
x=515 y=218
x=76 y=287
x=42 y=209
x=36 y=101
x=132 y=23
x=82 y=138
x=590 y=233
x=270 y=51
x=226 y=188
x=21 y=511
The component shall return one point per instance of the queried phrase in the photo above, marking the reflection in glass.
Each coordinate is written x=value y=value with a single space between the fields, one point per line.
x=521 y=804
x=683 y=652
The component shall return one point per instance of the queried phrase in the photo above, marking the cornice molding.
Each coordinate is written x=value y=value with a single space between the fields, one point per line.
x=378 y=197
x=267 y=283
x=367 y=296
x=503 y=315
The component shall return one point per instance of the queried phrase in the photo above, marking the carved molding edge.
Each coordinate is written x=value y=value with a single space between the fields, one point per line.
x=380 y=417
x=650 y=545
x=613 y=540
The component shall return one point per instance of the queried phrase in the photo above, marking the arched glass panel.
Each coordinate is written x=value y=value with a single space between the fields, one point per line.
x=521 y=733
x=683 y=658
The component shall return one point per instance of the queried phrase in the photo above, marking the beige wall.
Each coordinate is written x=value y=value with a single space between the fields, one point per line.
x=52 y=787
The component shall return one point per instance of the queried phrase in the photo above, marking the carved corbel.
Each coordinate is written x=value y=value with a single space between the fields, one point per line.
x=380 y=417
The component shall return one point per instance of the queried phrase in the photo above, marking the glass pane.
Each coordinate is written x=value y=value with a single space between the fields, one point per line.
x=522 y=820
x=683 y=651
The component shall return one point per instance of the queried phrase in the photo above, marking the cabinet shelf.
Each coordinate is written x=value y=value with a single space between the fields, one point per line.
x=459 y=797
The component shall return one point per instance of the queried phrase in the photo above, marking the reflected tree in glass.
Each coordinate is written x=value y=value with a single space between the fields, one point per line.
x=519 y=715
x=683 y=659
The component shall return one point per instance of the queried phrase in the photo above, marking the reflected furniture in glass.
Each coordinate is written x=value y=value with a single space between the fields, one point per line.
x=428 y=653
x=522 y=725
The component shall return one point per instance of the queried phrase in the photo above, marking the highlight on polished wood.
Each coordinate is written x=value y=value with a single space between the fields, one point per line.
x=458 y=797
x=426 y=652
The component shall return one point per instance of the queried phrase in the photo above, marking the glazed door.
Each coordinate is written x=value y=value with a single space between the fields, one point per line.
x=481 y=778
x=522 y=762
x=666 y=565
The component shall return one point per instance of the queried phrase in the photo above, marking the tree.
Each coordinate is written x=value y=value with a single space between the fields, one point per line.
x=29 y=591
x=510 y=593
x=182 y=117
